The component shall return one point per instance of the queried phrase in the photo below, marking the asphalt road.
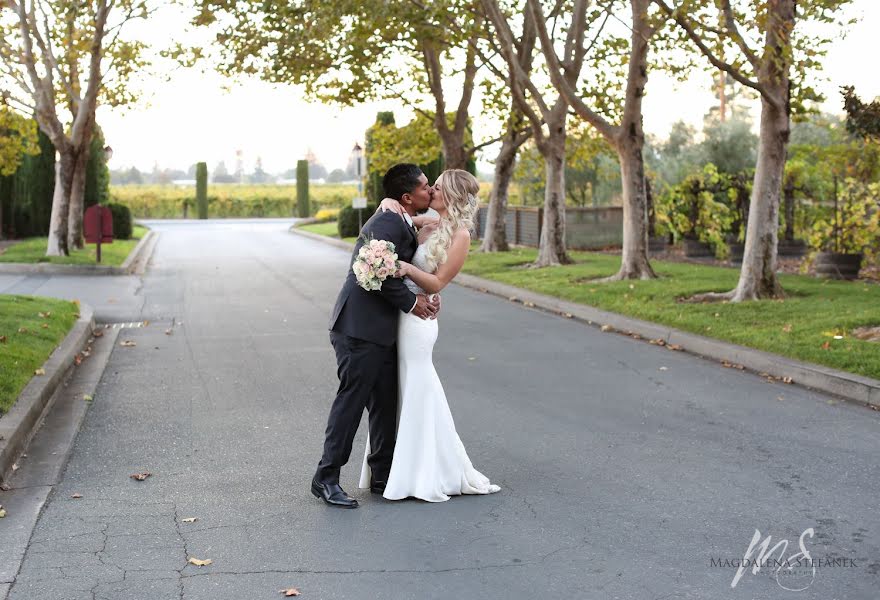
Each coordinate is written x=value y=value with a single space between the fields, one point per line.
x=628 y=471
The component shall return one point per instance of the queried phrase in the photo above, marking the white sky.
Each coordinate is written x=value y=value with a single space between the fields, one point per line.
x=205 y=117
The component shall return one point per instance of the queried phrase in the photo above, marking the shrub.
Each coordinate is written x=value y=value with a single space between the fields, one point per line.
x=122 y=223
x=348 y=220
x=325 y=215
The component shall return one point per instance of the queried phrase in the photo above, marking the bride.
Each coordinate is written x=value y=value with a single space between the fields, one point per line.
x=430 y=461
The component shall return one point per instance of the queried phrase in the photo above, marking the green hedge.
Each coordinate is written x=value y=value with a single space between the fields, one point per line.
x=348 y=220
x=122 y=222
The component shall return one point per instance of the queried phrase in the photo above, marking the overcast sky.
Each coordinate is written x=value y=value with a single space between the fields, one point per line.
x=205 y=117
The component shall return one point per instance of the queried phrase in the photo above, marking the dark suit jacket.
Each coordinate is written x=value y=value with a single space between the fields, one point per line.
x=373 y=316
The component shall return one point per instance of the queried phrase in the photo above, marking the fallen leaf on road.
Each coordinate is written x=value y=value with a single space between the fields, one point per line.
x=146 y=323
x=189 y=520
x=2 y=511
x=664 y=368
x=657 y=342
x=530 y=304
x=87 y=397
x=289 y=592
x=14 y=467
x=568 y=315
x=76 y=496
x=606 y=328
x=128 y=343
x=140 y=476
x=78 y=359
x=40 y=372
x=780 y=398
x=98 y=333
x=4 y=487
x=198 y=562
x=787 y=380
x=673 y=347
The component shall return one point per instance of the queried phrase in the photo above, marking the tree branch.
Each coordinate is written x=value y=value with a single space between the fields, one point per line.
x=730 y=21
x=685 y=24
x=563 y=84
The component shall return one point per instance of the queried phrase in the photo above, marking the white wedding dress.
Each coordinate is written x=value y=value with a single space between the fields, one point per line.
x=430 y=461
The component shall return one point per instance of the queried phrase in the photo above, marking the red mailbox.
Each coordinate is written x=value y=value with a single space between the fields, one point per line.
x=98 y=226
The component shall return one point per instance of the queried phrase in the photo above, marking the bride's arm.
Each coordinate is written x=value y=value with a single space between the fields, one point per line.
x=455 y=256
x=394 y=206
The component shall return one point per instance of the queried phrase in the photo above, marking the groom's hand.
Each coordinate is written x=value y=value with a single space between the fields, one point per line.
x=424 y=308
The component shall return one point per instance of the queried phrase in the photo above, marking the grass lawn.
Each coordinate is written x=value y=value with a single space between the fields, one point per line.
x=328 y=229
x=802 y=326
x=33 y=250
x=27 y=339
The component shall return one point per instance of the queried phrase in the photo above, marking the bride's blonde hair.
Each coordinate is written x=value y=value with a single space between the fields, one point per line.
x=460 y=190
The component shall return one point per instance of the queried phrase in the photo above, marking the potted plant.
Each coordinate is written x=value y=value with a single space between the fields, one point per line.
x=852 y=228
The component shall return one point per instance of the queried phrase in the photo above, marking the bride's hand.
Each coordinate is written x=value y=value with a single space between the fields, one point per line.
x=392 y=205
x=403 y=269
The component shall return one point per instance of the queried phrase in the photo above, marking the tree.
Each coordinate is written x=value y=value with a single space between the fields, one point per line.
x=625 y=135
x=259 y=175
x=337 y=176
x=53 y=53
x=729 y=145
x=18 y=138
x=547 y=117
x=758 y=45
x=862 y=118
x=357 y=51
x=221 y=174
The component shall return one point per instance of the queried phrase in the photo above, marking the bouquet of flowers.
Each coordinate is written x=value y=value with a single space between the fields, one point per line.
x=375 y=262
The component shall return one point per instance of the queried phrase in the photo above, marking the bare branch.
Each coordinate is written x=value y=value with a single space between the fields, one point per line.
x=564 y=85
x=470 y=74
x=688 y=28
x=730 y=22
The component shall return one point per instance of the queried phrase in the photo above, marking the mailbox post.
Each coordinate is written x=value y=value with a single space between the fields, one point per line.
x=98 y=226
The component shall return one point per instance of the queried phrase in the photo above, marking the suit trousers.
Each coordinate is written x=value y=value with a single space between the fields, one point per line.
x=367 y=379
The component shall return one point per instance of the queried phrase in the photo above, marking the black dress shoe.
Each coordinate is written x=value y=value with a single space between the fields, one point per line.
x=333 y=495
x=377 y=487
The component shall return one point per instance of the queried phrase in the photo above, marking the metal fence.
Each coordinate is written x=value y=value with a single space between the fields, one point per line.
x=585 y=228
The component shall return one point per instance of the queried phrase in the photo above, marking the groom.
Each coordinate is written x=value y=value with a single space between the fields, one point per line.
x=363 y=331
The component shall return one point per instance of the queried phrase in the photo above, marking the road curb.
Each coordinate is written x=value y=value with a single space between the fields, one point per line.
x=323 y=238
x=138 y=259
x=23 y=419
x=850 y=386
x=132 y=262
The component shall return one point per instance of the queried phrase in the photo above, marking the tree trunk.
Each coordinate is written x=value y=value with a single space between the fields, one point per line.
x=634 y=262
x=552 y=248
x=77 y=199
x=57 y=244
x=495 y=236
x=757 y=278
x=454 y=154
